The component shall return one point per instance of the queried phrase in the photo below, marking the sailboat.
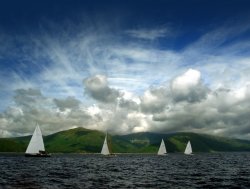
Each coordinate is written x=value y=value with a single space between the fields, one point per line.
x=162 y=149
x=36 y=145
x=188 y=150
x=105 y=148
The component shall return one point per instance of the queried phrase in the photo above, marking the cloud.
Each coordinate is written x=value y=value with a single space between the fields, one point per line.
x=128 y=101
x=189 y=87
x=221 y=39
x=135 y=86
x=69 y=102
x=53 y=115
x=97 y=87
x=154 y=100
x=29 y=98
x=149 y=34
x=223 y=111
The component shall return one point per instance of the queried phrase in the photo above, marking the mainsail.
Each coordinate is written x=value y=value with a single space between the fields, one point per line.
x=162 y=150
x=188 y=149
x=105 y=148
x=36 y=143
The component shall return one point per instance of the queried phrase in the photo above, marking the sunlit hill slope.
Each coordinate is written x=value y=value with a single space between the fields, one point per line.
x=82 y=140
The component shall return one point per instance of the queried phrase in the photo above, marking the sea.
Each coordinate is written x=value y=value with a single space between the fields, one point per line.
x=175 y=170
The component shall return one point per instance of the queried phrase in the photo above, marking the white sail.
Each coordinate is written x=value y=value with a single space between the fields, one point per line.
x=162 y=150
x=188 y=149
x=105 y=148
x=36 y=143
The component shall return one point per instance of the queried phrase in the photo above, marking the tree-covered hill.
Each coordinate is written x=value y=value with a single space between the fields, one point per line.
x=81 y=140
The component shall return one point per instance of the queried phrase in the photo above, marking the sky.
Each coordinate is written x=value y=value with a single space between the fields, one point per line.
x=125 y=66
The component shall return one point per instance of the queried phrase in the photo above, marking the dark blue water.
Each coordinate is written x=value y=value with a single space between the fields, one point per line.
x=218 y=170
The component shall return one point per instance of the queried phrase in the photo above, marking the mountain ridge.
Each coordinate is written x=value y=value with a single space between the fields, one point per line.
x=82 y=140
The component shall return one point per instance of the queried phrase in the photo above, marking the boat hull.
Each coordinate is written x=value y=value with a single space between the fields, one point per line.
x=189 y=154
x=109 y=155
x=37 y=155
x=162 y=154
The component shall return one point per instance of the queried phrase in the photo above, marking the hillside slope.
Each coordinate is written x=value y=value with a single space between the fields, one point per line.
x=80 y=140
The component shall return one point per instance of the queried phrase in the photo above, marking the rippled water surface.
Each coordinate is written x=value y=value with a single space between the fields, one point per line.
x=218 y=170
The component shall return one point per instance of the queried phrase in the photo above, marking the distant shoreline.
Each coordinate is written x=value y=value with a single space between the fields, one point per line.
x=143 y=154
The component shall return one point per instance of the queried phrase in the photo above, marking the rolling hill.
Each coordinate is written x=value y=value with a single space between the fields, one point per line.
x=81 y=140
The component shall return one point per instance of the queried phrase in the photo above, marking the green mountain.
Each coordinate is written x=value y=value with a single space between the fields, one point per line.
x=82 y=140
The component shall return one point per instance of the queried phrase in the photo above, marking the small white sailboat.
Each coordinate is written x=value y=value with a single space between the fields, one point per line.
x=36 y=145
x=188 y=150
x=162 y=149
x=105 y=148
